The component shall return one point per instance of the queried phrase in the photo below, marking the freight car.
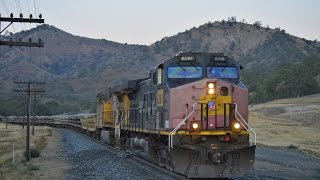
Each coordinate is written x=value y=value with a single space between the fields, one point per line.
x=37 y=120
x=189 y=116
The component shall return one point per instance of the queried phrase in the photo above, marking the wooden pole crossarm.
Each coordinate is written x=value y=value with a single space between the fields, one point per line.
x=26 y=20
x=25 y=44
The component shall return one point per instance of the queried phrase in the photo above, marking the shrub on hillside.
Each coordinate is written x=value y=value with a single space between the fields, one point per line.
x=291 y=146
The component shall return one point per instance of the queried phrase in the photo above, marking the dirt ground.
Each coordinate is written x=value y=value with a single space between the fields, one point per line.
x=288 y=123
x=47 y=166
x=50 y=166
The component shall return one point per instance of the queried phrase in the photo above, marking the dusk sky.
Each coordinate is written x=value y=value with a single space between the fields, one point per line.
x=147 y=21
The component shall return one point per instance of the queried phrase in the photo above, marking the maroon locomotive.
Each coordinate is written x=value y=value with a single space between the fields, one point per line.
x=190 y=116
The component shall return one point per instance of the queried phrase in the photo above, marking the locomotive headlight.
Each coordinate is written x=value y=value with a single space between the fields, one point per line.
x=210 y=85
x=195 y=125
x=236 y=125
x=211 y=88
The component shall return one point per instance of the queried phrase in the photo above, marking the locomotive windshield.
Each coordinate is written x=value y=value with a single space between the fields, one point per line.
x=185 y=72
x=222 y=72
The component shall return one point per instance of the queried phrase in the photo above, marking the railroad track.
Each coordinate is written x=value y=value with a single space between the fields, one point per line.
x=135 y=158
x=128 y=155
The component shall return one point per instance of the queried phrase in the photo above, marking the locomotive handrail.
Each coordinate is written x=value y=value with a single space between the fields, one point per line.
x=170 y=143
x=247 y=127
x=117 y=117
x=166 y=83
x=121 y=118
x=113 y=115
x=149 y=92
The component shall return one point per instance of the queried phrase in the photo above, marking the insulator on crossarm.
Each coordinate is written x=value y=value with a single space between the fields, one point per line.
x=30 y=40
x=40 y=16
x=21 y=15
x=30 y=16
x=11 y=15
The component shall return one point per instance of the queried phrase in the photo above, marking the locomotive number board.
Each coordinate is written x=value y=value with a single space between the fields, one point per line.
x=187 y=58
x=219 y=58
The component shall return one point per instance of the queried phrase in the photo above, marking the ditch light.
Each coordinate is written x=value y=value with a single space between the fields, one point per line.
x=236 y=127
x=195 y=125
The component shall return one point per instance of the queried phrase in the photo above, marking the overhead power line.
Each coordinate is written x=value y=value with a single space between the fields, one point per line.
x=7 y=10
x=18 y=6
x=35 y=9
x=28 y=7
x=5 y=7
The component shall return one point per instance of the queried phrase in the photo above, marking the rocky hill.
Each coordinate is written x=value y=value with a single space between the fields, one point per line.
x=76 y=68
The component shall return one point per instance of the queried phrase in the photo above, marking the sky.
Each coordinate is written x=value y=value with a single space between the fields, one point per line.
x=147 y=21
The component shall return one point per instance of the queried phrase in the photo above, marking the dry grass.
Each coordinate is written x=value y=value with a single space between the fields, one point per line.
x=17 y=136
x=290 y=123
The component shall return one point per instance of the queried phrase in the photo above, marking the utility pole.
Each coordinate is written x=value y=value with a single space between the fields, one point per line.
x=28 y=91
x=34 y=111
x=11 y=20
x=11 y=43
x=25 y=110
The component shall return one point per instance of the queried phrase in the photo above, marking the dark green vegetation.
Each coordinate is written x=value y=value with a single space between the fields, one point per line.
x=31 y=167
x=33 y=153
x=285 y=81
x=76 y=68
x=292 y=147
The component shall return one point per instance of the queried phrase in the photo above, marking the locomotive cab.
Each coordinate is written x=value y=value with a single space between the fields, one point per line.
x=212 y=83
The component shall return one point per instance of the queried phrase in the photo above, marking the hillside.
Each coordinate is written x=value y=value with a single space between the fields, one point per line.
x=66 y=56
x=250 y=44
x=291 y=123
x=76 y=68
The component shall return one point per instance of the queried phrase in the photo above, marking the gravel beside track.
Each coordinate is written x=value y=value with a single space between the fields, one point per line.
x=276 y=163
x=90 y=160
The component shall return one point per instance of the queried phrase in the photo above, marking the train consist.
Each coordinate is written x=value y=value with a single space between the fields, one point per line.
x=86 y=123
x=189 y=116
